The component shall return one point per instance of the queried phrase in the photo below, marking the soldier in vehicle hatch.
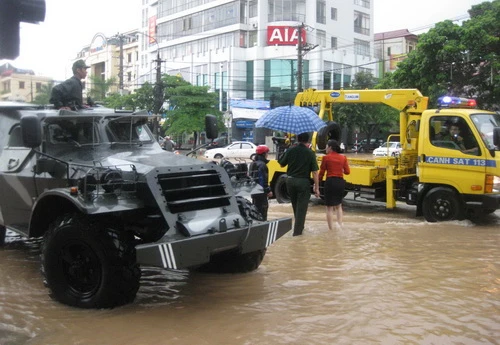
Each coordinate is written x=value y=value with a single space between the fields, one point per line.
x=68 y=94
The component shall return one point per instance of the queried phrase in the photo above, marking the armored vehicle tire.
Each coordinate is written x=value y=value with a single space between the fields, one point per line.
x=280 y=190
x=89 y=265
x=232 y=261
x=441 y=204
x=3 y=232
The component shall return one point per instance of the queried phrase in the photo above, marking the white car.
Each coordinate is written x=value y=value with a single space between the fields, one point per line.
x=238 y=149
x=391 y=148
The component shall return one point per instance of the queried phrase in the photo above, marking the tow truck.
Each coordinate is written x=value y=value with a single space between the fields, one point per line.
x=444 y=181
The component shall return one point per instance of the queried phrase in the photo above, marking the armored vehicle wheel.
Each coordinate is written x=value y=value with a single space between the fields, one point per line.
x=233 y=261
x=441 y=204
x=280 y=190
x=3 y=232
x=89 y=265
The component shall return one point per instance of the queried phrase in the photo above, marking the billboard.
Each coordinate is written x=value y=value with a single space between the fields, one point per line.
x=284 y=35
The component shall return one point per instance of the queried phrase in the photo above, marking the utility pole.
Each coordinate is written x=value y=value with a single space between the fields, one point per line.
x=158 y=95
x=302 y=49
x=120 y=74
x=299 y=58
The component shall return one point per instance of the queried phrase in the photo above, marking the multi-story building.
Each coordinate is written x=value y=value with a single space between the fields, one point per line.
x=392 y=47
x=115 y=58
x=248 y=49
x=19 y=84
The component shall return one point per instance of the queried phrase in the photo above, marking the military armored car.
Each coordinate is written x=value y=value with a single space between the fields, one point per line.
x=105 y=198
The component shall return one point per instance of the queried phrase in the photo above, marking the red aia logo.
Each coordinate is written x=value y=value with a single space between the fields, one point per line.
x=284 y=35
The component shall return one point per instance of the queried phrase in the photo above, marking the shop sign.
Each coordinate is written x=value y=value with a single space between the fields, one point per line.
x=284 y=35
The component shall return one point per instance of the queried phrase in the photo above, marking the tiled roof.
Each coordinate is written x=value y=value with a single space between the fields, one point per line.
x=393 y=34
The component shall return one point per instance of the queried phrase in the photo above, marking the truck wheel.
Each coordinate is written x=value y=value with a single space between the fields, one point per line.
x=3 y=232
x=441 y=204
x=330 y=131
x=89 y=265
x=280 y=191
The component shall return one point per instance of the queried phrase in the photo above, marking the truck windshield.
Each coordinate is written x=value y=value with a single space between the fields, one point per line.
x=485 y=124
x=72 y=130
x=129 y=129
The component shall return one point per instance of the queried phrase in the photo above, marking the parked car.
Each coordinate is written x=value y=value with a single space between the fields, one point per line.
x=364 y=146
x=238 y=149
x=391 y=148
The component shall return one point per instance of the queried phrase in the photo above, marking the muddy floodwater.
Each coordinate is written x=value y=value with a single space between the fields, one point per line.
x=386 y=278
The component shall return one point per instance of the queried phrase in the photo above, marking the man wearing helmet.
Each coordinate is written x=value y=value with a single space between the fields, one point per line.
x=260 y=173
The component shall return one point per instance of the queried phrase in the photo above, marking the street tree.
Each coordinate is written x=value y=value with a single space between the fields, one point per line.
x=43 y=95
x=459 y=60
x=100 y=87
x=189 y=105
x=370 y=120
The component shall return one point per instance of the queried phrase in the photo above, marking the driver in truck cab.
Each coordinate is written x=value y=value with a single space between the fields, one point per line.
x=465 y=142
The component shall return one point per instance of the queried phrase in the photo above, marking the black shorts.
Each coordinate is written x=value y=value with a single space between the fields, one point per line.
x=334 y=191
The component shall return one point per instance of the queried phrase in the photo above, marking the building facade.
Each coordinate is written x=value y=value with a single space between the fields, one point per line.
x=20 y=85
x=116 y=58
x=248 y=49
x=392 y=47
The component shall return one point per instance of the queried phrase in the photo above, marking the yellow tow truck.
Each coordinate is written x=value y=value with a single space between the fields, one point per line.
x=435 y=172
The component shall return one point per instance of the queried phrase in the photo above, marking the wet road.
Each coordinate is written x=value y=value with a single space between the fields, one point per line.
x=386 y=278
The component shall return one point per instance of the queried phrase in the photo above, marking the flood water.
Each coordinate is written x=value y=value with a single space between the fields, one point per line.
x=386 y=278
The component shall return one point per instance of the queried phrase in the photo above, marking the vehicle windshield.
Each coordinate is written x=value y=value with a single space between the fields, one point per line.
x=485 y=124
x=72 y=130
x=129 y=129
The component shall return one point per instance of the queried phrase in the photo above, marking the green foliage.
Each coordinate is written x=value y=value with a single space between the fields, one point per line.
x=43 y=95
x=189 y=106
x=371 y=120
x=99 y=87
x=458 y=60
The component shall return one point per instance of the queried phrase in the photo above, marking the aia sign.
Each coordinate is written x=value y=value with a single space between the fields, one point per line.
x=284 y=35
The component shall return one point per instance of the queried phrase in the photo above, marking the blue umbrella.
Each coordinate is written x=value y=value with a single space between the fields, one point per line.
x=291 y=119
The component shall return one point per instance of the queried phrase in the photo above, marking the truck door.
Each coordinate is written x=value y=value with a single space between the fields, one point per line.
x=450 y=154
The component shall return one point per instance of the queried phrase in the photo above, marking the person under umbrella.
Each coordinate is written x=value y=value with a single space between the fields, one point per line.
x=301 y=163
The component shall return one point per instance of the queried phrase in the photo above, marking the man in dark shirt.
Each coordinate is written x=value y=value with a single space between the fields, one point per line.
x=301 y=162
x=68 y=94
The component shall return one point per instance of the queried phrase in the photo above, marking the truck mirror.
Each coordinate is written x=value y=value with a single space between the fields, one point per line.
x=496 y=136
x=31 y=131
x=211 y=126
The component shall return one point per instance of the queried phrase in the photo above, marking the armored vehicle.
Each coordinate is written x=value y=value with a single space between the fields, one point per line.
x=105 y=198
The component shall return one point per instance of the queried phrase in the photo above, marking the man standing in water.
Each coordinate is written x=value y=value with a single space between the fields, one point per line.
x=301 y=162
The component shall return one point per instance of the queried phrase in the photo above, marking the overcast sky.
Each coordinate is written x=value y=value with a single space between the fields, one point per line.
x=49 y=47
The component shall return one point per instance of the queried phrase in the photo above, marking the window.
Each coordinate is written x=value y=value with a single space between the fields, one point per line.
x=252 y=8
x=292 y=10
x=333 y=42
x=129 y=57
x=321 y=11
x=321 y=38
x=21 y=84
x=333 y=13
x=363 y=3
x=38 y=87
x=361 y=23
x=361 y=47
x=129 y=76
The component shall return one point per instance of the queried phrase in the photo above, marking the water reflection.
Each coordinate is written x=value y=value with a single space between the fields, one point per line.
x=386 y=278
